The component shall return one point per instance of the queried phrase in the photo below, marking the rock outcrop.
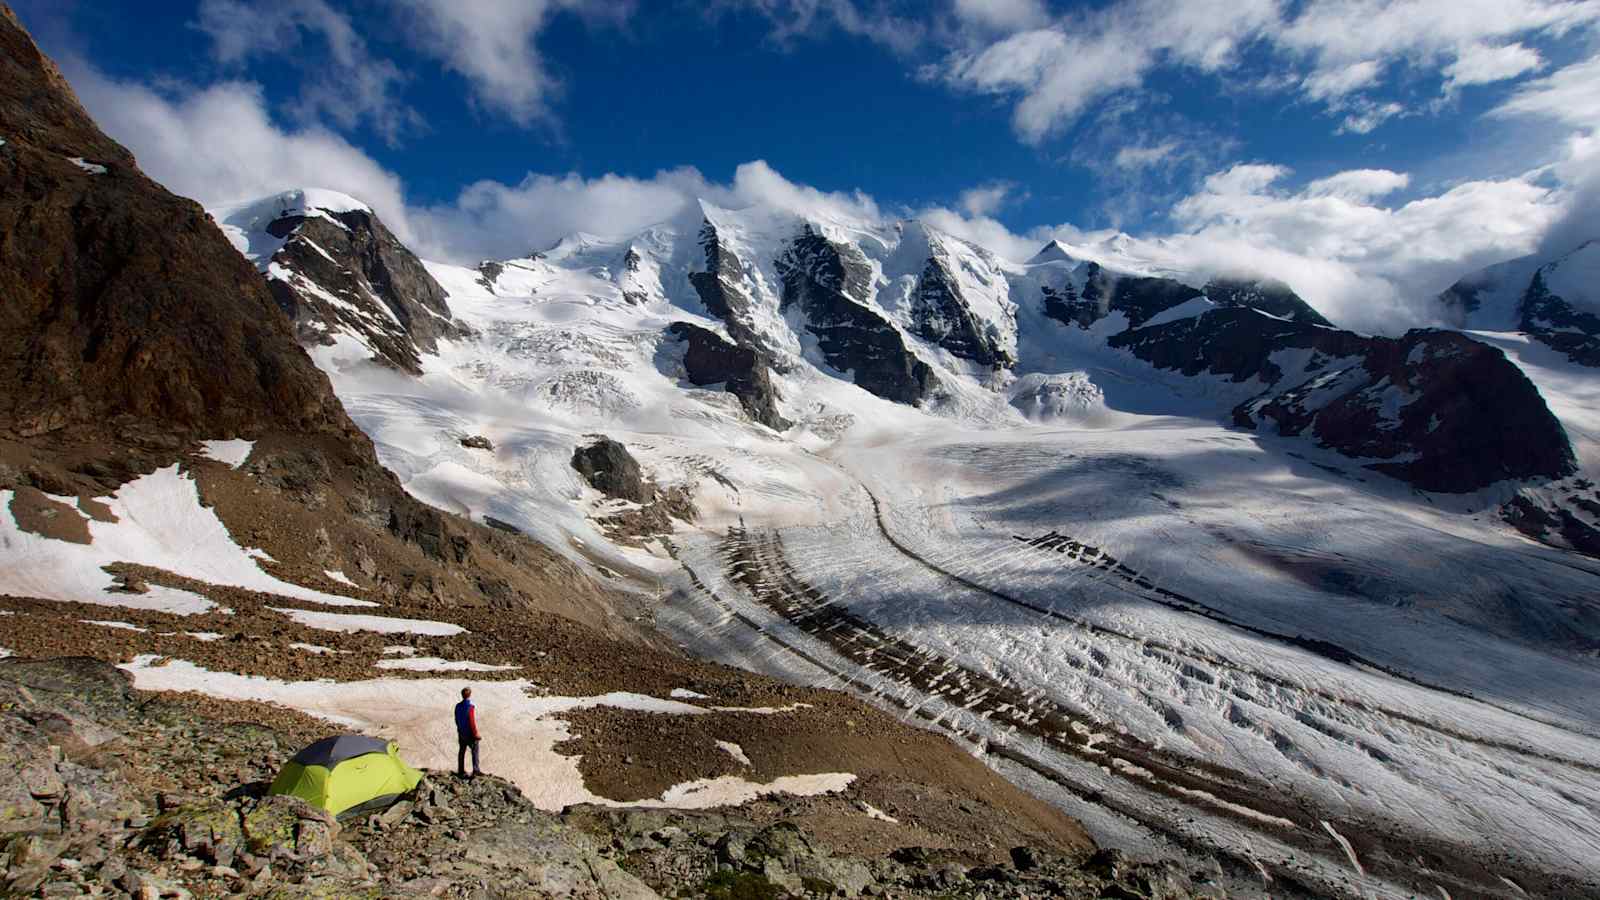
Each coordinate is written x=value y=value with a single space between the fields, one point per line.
x=1268 y=295
x=939 y=314
x=123 y=301
x=724 y=293
x=610 y=469
x=828 y=285
x=1433 y=408
x=339 y=271
x=709 y=360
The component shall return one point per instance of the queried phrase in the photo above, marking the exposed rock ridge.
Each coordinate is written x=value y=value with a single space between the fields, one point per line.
x=1434 y=408
x=346 y=271
x=708 y=360
x=721 y=288
x=828 y=284
x=1560 y=325
x=939 y=314
x=1268 y=295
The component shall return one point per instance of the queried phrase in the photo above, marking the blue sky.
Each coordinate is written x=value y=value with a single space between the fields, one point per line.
x=1219 y=126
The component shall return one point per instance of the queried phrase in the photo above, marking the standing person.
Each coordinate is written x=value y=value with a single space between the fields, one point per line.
x=467 y=734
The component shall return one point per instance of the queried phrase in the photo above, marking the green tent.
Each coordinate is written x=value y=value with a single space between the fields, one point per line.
x=347 y=774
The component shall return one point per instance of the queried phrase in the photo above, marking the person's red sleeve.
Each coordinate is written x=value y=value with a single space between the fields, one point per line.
x=472 y=716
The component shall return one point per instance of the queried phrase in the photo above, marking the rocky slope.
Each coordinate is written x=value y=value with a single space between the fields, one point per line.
x=114 y=793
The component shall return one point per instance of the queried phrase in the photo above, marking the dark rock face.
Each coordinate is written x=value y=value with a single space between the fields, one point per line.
x=1434 y=408
x=384 y=292
x=1558 y=324
x=1269 y=296
x=1469 y=417
x=121 y=300
x=722 y=291
x=1137 y=297
x=708 y=359
x=1557 y=526
x=611 y=469
x=824 y=281
x=1236 y=342
x=939 y=314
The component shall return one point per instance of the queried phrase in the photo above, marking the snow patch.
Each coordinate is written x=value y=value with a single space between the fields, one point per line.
x=353 y=622
x=314 y=649
x=85 y=165
x=231 y=453
x=686 y=694
x=125 y=626
x=435 y=664
x=735 y=751
x=339 y=576
x=160 y=523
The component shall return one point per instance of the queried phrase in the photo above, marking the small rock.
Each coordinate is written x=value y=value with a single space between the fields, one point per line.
x=1024 y=859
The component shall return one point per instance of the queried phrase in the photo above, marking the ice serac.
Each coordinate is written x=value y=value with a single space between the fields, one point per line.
x=1268 y=295
x=710 y=359
x=827 y=285
x=123 y=304
x=340 y=270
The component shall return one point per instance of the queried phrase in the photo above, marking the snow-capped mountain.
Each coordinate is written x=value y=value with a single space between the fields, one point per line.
x=1555 y=300
x=871 y=441
x=334 y=268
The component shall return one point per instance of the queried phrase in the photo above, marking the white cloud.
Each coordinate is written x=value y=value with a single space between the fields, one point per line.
x=492 y=43
x=1330 y=84
x=986 y=199
x=494 y=220
x=1059 y=70
x=1359 y=185
x=1144 y=157
x=350 y=86
x=1006 y=15
x=793 y=19
x=1363 y=264
x=1330 y=51
x=1484 y=64
x=1570 y=95
x=219 y=145
x=1368 y=116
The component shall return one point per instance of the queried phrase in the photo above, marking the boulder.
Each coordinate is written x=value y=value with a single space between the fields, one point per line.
x=610 y=469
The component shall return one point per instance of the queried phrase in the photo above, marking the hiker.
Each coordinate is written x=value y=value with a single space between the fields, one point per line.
x=467 y=734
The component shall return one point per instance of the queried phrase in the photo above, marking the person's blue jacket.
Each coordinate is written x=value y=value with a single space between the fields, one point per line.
x=466 y=721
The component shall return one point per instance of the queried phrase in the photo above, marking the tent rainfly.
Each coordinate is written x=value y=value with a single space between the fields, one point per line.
x=347 y=774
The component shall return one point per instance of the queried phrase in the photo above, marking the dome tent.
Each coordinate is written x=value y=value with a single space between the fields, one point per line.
x=346 y=774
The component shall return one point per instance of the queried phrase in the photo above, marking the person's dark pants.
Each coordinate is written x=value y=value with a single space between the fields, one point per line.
x=461 y=755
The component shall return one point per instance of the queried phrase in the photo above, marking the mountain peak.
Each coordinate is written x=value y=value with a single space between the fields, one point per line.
x=1054 y=251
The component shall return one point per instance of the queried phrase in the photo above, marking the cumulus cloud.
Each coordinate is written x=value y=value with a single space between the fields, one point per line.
x=985 y=199
x=1058 y=71
x=351 y=86
x=1362 y=263
x=1331 y=52
x=1570 y=95
x=219 y=145
x=1485 y=64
